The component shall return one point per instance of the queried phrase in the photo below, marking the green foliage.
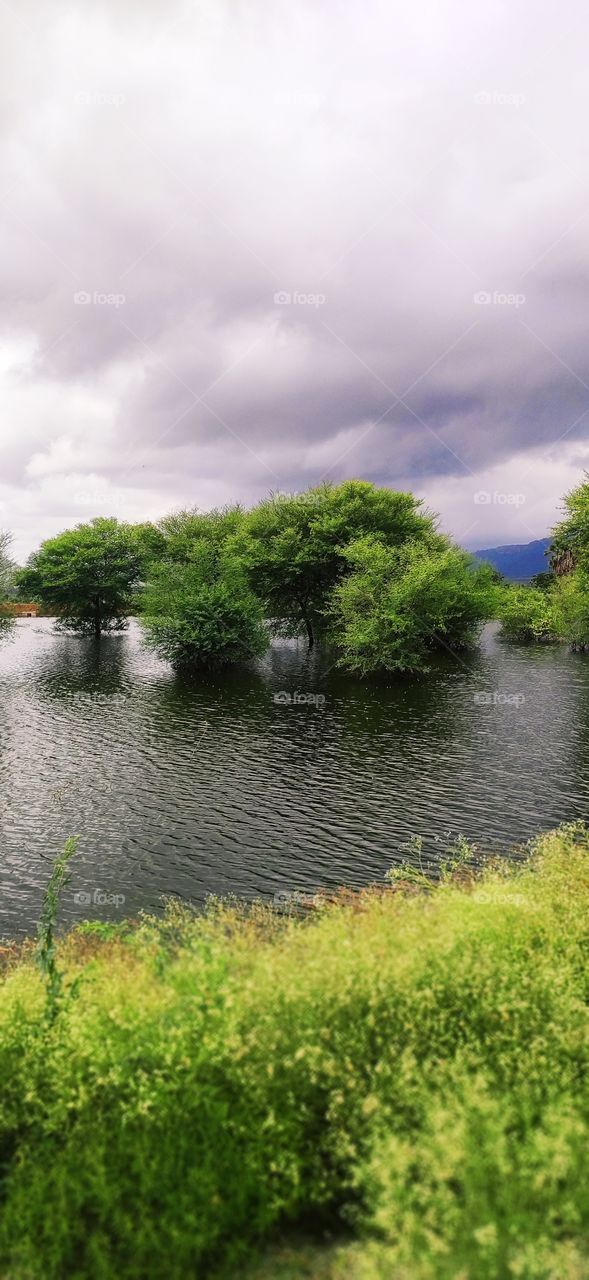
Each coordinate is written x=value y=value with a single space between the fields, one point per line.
x=400 y=604
x=149 y=540
x=294 y=546
x=528 y=615
x=198 y=609
x=556 y=604
x=46 y=933
x=7 y=572
x=87 y=575
x=201 y=614
x=570 y=602
x=414 y=1065
x=497 y=1185
x=304 y=563
x=184 y=531
x=543 y=581
x=568 y=585
x=570 y=542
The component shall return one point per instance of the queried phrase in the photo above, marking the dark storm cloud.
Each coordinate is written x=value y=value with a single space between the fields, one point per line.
x=246 y=247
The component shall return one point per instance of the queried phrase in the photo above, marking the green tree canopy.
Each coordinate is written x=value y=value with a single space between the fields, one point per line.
x=569 y=555
x=570 y=608
x=570 y=537
x=294 y=545
x=398 y=604
x=185 y=533
x=200 y=613
x=87 y=575
x=527 y=614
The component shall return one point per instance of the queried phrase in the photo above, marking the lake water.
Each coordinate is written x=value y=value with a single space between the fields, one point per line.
x=224 y=786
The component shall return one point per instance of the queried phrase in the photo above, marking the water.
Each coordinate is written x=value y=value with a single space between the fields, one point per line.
x=212 y=786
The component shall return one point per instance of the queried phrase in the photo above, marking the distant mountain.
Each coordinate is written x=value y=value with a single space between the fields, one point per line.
x=519 y=563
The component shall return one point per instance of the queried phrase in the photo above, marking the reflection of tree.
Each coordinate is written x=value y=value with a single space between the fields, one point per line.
x=6 y=625
x=73 y=666
x=5 y=753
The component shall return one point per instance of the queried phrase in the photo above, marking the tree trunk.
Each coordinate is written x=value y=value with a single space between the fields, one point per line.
x=309 y=628
x=97 y=618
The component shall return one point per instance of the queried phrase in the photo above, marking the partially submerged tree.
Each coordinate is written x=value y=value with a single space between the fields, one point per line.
x=201 y=614
x=294 y=545
x=570 y=607
x=400 y=604
x=87 y=575
x=569 y=558
x=527 y=614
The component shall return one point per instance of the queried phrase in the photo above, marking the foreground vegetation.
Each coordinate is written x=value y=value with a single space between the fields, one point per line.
x=405 y=1068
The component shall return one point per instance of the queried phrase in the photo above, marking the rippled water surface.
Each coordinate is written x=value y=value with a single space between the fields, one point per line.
x=214 y=786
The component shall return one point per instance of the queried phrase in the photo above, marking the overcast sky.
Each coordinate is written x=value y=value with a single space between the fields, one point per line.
x=248 y=246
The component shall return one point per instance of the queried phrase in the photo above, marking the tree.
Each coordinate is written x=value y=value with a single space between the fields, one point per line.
x=543 y=581
x=7 y=571
x=569 y=555
x=570 y=606
x=199 y=611
x=87 y=575
x=570 y=541
x=150 y=541
x=7 y=568
x=294 y=546
x=527 y=614
x=184 y=531
x=399 y=604
x=201 y=614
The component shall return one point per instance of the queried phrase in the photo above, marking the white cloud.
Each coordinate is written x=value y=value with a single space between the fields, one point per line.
x=182 y=165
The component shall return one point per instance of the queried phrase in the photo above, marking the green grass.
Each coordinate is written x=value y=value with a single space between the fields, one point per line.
x=402 y=1077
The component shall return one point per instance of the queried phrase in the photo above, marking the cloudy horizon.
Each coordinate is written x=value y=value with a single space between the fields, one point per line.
x=250 y=247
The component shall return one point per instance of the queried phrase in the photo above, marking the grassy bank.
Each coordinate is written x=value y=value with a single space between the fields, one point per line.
x=406 y=1071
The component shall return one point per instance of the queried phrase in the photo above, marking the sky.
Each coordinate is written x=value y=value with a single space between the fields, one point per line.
x=252 y=245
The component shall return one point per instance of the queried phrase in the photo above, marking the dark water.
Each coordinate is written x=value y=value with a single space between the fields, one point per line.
x=215 y=787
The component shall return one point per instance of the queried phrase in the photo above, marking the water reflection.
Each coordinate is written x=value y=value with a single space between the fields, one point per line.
x=218 y=785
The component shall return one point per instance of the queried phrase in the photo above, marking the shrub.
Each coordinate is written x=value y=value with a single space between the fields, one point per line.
x=399 y=605
x=201 y=619
x=571 y=608
x=527 y=615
